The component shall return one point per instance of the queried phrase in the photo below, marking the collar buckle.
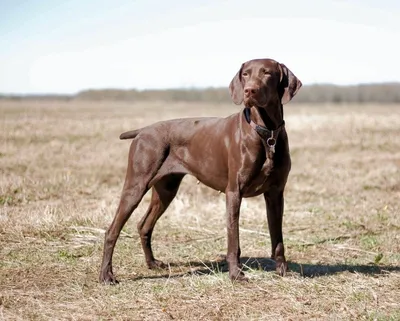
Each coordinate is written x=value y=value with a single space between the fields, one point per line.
x=271 y=142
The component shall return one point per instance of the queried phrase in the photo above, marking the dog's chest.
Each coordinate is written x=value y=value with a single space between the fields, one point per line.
x=263 y=175
x=260 y=176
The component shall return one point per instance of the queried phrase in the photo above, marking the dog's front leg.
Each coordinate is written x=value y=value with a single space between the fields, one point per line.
x=233 y=201
x=274 y=203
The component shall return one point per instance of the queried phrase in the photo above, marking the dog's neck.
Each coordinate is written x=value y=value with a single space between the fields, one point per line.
x=267 y=122
x=270 y=117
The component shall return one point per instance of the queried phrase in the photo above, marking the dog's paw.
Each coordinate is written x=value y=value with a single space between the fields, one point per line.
x=156 y=264
x=108 y=278
x=281 y=267
x=238 y=276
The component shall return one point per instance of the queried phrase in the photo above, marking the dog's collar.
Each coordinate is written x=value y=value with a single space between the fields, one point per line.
x=269 y=136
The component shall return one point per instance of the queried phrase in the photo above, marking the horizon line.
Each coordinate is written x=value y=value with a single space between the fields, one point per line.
x=200 y=88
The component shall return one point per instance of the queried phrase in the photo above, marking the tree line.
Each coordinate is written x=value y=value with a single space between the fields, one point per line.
x=321 y=93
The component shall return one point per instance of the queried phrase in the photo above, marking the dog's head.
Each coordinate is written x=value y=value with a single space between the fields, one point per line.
x=259 y=81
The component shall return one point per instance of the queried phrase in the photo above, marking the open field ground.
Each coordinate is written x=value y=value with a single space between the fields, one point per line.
x=61 y=172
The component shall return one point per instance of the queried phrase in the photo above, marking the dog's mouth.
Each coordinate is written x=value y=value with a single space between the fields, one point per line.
x=251 y=101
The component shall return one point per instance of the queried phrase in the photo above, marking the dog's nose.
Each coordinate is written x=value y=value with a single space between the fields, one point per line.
x=248 y=91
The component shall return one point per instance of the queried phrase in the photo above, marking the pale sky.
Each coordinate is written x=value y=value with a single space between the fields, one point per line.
x=54 y=46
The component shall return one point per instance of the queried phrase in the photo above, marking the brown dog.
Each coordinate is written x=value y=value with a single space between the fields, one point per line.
x=243 y=155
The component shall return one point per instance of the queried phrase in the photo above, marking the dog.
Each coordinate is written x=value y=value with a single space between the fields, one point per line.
x=243 y=155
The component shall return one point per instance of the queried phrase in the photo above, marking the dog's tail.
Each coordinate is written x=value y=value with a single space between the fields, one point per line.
x=130 y=134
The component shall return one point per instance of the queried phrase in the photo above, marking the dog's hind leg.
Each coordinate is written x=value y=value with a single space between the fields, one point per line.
x=163 y=192
x=130 y=199
x=144 y=162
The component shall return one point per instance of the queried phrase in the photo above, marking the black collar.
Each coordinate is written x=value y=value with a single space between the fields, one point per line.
x=266 y=134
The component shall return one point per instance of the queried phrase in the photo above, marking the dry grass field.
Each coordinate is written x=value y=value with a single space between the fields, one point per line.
x=61 y=172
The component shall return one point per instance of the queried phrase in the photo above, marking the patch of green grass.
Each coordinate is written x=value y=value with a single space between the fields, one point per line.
x=370 y=187
x=369 y=242
x=67 y=256
x=12 y=197
x=316 y=210
x=378 y=258
x=382 y=316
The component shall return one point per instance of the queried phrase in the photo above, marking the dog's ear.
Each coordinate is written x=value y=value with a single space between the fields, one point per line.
x=289 y=84
x=236 y=87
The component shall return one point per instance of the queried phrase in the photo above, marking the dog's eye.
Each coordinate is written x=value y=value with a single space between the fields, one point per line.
x=266 y=72
x=245 y=74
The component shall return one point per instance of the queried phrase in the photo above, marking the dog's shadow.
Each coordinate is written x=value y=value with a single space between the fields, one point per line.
x=266 y=264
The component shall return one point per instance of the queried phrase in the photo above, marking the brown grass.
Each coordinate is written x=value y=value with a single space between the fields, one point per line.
x=62 y=168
